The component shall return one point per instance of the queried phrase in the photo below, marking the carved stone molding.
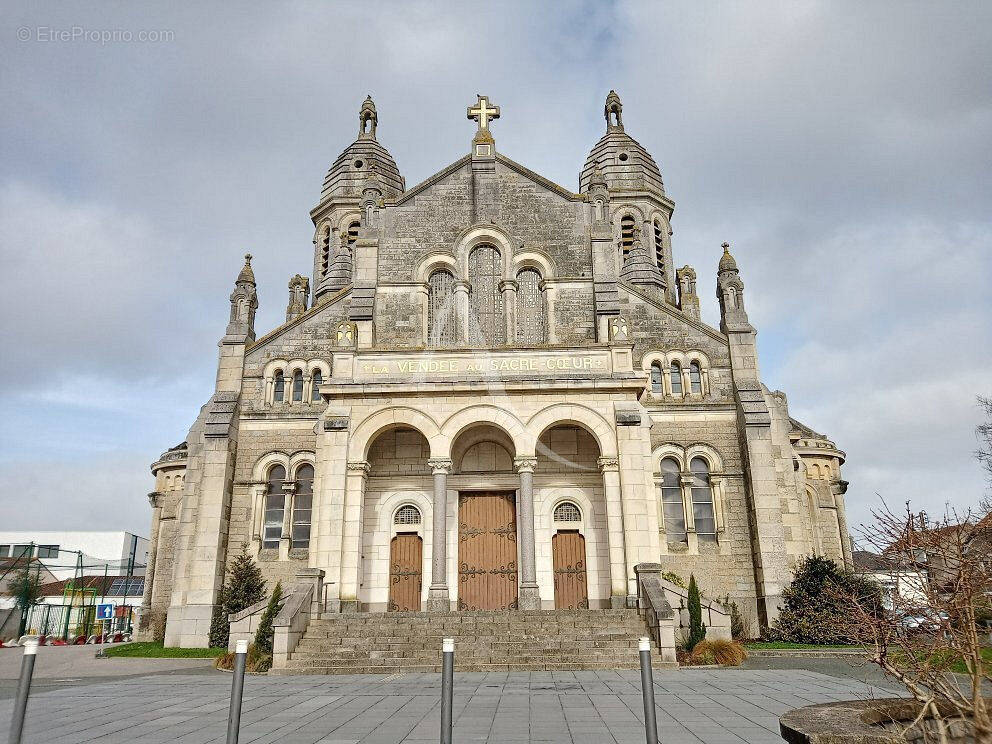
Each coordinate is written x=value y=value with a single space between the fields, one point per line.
x=359 y=466
x=439 y=465
x=608 y=464
x=525 y=464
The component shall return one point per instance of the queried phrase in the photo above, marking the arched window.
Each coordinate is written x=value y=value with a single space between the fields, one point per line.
x=407 y=514
x=672 y=505
x=275 y=505
x=441 y=309
x=530 y=307
x=676 y=379
x=626 y=236
x=659 y=245
x=302 y=506
x=657 y=386
x=702 y=500
x=695 y=378
x=318 y=380
x=566 y=511
x=297 y=386
x=325 y=249
x=353 y=236
x=279 y=387
x=487 y=326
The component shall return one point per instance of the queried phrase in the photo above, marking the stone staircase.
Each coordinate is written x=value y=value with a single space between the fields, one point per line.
x=394 y=642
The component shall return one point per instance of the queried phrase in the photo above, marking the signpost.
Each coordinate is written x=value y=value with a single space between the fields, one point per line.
x=105 y=611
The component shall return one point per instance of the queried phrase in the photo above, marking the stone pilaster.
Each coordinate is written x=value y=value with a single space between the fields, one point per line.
x=351 y=542
x=610 y=468
x=327 y=530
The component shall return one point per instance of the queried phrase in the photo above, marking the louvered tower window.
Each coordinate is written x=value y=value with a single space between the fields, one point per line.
x=626 y=236
x=659 y=245
x=441 y=309
x=530 y=308
x=487 y=326
x=353 y=236
x=325 y=250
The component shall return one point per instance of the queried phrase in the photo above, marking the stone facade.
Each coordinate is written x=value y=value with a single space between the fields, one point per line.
x=623 y=419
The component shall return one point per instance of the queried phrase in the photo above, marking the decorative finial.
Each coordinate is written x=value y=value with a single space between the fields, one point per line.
x=726 y=247
x=248 y=259
x=367 y=118
x=727 y=262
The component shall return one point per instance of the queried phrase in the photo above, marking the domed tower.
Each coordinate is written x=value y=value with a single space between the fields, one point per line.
x=338 y=215
x=637 y=200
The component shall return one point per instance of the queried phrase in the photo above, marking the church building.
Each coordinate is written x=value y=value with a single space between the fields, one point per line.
x=492 y=393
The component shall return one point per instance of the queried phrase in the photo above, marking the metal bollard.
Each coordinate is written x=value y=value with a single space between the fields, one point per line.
x=447 y=686
x=647 y=692
x=23 y=690
x=237 y=691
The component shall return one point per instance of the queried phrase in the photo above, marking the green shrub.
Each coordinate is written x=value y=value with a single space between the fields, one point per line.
x=674 y=578
x=245 y=586
x=816 y=606
x=739 y=627
x=697 y=629
x=265 y=632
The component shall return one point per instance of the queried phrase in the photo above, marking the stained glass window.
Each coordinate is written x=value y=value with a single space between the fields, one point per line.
x=530 y=308
x=279 y=389
x=657 y=386
x=695 y=378
x=302 y=505
x=487 y=326
x=297 y=386
x=275 y=503
x=318 y=380
x=702 y=500
x=676 y=379
x=441 y=309
x=671 y=501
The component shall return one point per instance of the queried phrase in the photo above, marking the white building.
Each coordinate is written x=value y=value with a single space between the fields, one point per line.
x=119 y=553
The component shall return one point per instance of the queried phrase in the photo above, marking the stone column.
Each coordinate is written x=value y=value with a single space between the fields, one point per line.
x=438 y=599
x=461 y=310
x=550 y=291
x=529 y=597
x=509 y=289
x=329 y=489
x=285 y=538
x=610 y=468
x=155 y=500
x=351 y=542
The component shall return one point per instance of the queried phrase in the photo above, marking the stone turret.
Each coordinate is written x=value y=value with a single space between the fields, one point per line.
x=730 y=293
x=340 y=271
x=626 y=165
x=688 y=299
x=299 y=288
x=244 y=303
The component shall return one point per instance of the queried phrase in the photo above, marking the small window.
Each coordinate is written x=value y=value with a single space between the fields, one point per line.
x=695 y=378
x=353 y=235
x=318 y=380
x=672 y=506
x=566 y=511
x=657 y=386
x=702 y=500
x=279 y=388
x=21 y=551
x=297 y=386
x=302 y=507
x=676 y=379
x=659 y=245
x=275 y=504
x=4 y=551
x=626 y=236
x=48 y=551
x=407 y=514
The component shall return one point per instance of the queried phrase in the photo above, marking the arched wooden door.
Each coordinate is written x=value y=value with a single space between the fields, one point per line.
x=405 y=573
x=569 y=555
x=487 y=552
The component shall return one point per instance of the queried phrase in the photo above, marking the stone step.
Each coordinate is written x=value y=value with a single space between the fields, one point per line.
x=310 y=645
x=491 y=667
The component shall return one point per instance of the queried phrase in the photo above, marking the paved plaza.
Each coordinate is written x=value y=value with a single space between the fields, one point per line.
x=717 y=706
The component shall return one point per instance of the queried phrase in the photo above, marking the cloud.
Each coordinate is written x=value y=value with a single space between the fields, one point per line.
x=841 y=150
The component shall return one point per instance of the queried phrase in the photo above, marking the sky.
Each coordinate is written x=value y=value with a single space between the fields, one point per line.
x=842 y=148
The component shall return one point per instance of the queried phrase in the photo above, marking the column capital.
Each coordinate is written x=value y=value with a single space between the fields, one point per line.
x=460 y=285
x=510 y=284
x=440 y=465
x=525 y=464
x=154 y=498
x=686 y=479
x=608 y=464
x=359 y=466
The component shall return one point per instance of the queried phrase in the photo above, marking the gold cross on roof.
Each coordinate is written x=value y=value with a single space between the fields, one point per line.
x=482 y=112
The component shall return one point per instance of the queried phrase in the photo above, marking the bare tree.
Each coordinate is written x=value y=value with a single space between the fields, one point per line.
x=931 y=640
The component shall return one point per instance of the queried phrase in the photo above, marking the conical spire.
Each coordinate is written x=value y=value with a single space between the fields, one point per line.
x=246 y=275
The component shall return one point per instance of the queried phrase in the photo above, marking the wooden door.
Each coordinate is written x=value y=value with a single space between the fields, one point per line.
x=487 y=551
x=405 y=573
x=569 y=551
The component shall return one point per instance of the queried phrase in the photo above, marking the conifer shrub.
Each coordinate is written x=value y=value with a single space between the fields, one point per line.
x=697 y=629
x=816 y=606
x=244 y=587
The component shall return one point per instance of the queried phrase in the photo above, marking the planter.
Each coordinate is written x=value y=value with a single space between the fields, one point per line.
x=864 y=722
